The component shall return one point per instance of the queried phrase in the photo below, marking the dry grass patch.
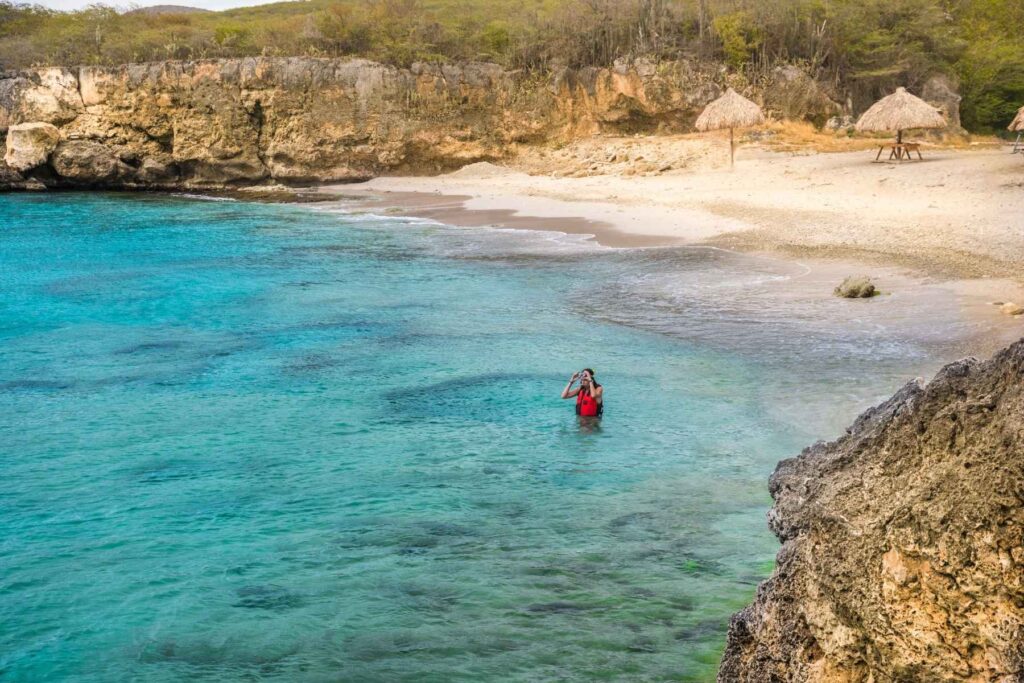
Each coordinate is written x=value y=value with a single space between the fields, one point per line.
x=795 y=136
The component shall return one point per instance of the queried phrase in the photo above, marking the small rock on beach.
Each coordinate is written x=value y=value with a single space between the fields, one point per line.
x=1010 y=308
x=856 y=288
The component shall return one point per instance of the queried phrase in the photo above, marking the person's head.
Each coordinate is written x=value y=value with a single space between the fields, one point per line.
x=588 y=376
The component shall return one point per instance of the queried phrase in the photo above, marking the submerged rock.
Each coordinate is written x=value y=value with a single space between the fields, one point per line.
x=902 y=555
x=29 y=144
x=856 y=288
x=268 y=597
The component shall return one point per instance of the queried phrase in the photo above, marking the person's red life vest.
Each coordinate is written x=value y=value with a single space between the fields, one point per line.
x=587 y=405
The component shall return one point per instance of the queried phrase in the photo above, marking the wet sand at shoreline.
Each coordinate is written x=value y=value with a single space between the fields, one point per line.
x=527 y=213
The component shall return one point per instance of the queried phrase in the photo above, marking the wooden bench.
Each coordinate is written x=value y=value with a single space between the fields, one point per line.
x=900 y=151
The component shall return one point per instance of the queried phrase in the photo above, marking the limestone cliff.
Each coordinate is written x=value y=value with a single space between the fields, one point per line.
x=298 y=120
x=903 y=543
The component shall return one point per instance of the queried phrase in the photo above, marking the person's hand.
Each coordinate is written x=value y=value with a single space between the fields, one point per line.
x=575 y=376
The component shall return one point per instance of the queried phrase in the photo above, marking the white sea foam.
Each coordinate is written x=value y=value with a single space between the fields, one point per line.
x=203 y=197
x=493 y=241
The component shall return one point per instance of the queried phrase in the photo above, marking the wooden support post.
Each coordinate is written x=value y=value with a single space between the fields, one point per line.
x=732 y=151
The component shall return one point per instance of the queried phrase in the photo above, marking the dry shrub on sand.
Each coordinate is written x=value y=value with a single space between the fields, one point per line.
x=856 y=287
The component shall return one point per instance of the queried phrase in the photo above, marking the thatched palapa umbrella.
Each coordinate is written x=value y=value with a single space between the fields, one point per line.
x=731 y=110
x=1017 y=124
x=900 y=111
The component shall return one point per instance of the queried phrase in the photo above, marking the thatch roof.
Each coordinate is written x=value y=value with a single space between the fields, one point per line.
x=900 y=111
x=731 y=110
x=1018 y=122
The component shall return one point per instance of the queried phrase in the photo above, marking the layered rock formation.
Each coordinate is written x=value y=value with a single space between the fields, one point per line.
x=299 y=120
x=903 y=543
x=242 y=121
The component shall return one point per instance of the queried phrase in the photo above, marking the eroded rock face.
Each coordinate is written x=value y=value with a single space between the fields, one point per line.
x=943 y=92
x=793 y=94
x=9 y=177
x=303 y=120
x=639 y=95
x=903 y=543
x=29 y=145
x=242 y=121
x=49 y=95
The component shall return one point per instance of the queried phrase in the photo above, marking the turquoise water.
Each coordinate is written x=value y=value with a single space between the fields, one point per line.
x=245 y=441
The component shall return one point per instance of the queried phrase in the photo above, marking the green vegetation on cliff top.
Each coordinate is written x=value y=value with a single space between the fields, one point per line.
x=862 y=48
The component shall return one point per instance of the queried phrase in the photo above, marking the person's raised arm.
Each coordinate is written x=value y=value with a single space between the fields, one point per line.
x=569 y=392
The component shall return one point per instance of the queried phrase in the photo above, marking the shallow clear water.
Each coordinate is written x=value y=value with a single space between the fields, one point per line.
x=247 y=441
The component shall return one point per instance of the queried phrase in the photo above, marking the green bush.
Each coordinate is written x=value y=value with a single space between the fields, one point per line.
x=740 y=37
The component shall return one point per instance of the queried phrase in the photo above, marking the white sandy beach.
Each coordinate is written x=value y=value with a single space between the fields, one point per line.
x=957 y=213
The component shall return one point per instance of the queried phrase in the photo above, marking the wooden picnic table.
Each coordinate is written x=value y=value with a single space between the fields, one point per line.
x=899 y=151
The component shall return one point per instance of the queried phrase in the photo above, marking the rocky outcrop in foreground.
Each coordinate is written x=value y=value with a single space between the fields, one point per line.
x=301 y=120
x=903 y=543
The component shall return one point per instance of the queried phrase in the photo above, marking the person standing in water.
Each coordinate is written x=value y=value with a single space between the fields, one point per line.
x=589 y=394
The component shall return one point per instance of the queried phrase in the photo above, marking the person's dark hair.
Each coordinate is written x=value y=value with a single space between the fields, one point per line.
x=589 y=370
